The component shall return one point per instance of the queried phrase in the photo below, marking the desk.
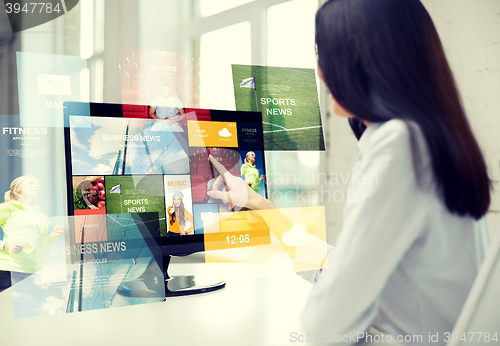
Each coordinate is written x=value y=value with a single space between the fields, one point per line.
x=260 y=305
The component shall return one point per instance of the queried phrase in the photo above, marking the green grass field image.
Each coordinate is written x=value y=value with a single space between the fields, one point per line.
x=139 y=194
x=288 y=100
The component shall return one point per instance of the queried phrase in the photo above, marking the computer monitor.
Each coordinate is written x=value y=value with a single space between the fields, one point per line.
x=147 y=180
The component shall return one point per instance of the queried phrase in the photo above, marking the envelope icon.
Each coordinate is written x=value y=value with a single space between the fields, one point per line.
x=54 y=84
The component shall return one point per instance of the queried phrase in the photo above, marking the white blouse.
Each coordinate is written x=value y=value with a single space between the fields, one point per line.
x=402 y=263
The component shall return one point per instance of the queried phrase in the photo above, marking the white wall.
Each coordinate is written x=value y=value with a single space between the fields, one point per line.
x=470 y=33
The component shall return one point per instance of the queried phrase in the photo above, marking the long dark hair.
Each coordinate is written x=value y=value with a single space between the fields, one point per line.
x=383 y=59
x=178 y=214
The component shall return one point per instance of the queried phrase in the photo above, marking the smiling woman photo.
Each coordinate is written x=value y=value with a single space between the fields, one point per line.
x=178 y=215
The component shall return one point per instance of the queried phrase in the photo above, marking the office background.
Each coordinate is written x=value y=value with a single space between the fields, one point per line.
x=218 y=33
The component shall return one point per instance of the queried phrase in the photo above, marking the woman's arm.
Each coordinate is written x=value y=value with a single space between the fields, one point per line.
x=188 y=216
x=10 y=246
x=236 y=191
x=244 y=168
x=57 y=231
x=239 y=193
x=4 y=214
x=382 y=219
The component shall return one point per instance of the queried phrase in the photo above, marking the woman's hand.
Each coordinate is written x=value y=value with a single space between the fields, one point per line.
x=183 y=233
x=13 y=247
x=58 y=231
x=261 y=177
x=236 y=191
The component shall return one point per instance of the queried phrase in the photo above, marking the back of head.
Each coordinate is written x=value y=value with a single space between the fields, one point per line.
x=383 y=59
x=380 y=56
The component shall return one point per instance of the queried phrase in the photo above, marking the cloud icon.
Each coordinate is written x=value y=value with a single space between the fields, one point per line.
x=296 y=236
x=225 y=133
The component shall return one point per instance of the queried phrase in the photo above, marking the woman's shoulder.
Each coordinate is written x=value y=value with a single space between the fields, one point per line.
x=392 y=131
x=400 y=136
x=6 y=208
x=399 y=146
x=10 y=205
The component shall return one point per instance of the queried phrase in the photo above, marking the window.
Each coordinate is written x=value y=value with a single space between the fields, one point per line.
x=206 y=8
x=218 y=50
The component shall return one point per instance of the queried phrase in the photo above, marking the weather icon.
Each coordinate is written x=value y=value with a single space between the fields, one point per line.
x=225 y=133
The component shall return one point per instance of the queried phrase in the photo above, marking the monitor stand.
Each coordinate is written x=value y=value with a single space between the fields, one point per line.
x=156 y=284
x=176 y=286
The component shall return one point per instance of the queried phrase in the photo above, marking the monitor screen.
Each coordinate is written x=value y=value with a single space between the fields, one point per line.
x=129 y=175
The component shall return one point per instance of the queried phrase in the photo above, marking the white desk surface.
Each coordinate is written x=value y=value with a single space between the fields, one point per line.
x=260 y=305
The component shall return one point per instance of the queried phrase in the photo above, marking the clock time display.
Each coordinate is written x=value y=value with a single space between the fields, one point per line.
x=241 y=239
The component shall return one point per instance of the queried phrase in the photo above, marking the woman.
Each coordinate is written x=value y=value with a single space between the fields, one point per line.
x=25 y=228
x=405 y=258
x=250 y=171
x=178 y=215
